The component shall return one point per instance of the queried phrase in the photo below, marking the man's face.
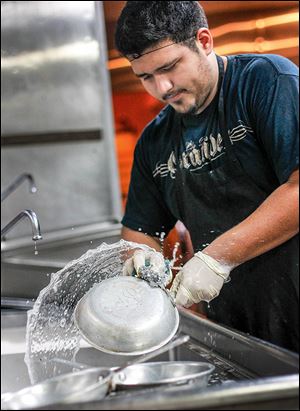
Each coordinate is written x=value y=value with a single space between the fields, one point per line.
x=177 y=75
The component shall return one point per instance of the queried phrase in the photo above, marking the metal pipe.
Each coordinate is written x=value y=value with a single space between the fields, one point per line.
x=32 y=187
x=36 y=232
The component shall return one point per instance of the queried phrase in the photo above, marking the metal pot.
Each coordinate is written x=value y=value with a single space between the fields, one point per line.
x=127 y=316
x=82 y=386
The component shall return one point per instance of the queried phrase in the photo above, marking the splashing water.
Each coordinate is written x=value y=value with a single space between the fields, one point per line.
x=51 y=332
x=174 y=258
x=162 y=239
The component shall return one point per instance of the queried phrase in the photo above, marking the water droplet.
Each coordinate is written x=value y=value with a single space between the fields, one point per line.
x=62 y=322
x=35 y=249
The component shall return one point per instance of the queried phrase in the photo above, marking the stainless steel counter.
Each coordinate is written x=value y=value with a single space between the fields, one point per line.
x=275 y=394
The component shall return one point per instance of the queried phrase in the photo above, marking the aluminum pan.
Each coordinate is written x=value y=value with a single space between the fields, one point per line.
x=164 y=372
x=126 y=316
x=85 y=385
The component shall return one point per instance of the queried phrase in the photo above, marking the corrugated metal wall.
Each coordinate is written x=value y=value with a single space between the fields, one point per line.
x=55 y=84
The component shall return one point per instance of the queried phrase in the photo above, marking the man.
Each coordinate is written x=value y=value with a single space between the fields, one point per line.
x=222 y=157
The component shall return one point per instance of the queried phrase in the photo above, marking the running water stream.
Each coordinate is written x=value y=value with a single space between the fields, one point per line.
x=51 y=332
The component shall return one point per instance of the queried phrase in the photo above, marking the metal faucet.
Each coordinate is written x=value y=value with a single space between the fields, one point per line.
x=36 y=232
x=32 y=187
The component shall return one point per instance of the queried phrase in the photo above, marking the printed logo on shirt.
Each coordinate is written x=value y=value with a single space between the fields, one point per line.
x=197 y=155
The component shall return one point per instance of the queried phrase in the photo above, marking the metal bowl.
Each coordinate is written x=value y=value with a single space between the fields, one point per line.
x=159 y=373
x=126 y=316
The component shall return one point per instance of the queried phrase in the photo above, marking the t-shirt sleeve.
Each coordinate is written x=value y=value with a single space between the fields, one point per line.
x=146 y=210
x=276 y=107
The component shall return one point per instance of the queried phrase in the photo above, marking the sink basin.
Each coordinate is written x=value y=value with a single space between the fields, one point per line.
x=14 y=371
x=249 y=373
x=24 y=280
x=25 y=273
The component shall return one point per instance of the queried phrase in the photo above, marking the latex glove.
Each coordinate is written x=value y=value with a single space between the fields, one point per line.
x=152 y=259
x=200 y=279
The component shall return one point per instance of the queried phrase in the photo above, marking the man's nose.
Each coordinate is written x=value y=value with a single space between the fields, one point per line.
x=163 y=84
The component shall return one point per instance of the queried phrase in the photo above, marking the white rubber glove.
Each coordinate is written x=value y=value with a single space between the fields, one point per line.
x=200 y=279
x=153 y=259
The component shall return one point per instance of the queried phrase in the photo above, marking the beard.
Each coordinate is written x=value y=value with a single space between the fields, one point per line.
x=194 y=107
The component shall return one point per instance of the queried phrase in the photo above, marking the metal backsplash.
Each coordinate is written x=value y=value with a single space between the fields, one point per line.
x=55 y=83
x=49 y=67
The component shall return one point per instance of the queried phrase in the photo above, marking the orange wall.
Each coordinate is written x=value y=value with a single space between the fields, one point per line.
x=134 y=110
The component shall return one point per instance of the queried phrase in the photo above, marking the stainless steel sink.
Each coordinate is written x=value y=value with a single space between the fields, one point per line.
x=14 y=371
x=25 y=273
x=249 y=373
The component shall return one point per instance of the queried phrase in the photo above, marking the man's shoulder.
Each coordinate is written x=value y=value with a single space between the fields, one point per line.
x=160 y=123
x=257 y=64
x=154 y=134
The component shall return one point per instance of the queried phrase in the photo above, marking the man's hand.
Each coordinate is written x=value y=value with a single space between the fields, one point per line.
x=151 y=259
x=200 y=279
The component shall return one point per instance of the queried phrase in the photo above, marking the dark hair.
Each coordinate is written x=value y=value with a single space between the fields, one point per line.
x=142 y=24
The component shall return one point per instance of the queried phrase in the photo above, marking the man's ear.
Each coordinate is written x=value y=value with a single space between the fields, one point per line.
x=204 y=40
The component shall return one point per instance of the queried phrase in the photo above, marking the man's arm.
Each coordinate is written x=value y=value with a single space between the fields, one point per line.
x=140 y=238
x=275 y=221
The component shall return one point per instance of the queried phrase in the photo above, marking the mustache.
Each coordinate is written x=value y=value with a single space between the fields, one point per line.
x=166 y=97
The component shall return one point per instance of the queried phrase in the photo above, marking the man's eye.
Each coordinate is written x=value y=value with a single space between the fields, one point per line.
x=169 y=68
x=146 y=78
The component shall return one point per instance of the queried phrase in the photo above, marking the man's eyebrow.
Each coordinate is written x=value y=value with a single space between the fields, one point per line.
x=159 y=68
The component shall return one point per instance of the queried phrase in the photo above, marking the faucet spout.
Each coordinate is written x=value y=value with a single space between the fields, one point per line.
x=36 y=232
x=32 y=187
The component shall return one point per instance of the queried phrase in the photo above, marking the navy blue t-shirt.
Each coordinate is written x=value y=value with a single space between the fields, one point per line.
x=261 y=111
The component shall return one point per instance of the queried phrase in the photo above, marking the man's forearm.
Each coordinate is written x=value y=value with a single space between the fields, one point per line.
x=274 y=222
x=140 y=238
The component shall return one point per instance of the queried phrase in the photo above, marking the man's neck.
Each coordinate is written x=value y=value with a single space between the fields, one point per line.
x=215 y=88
